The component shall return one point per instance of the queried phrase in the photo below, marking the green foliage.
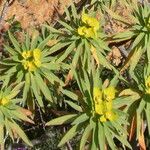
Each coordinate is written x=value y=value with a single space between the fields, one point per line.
x=84 y=38
x=29 y=62
x=105 y=105
x=138 y=30
x=10 y=113
x=88 y=121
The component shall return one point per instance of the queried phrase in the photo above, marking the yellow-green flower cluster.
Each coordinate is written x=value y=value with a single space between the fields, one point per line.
x=31 y=59
x=103 y=103
x=90 y=27
x=147 y=85
x=4 y=101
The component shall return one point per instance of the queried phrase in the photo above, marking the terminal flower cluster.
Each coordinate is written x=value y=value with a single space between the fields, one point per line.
x=103 y=103
x=147 y=85
x=89 y=28
x=31 y=59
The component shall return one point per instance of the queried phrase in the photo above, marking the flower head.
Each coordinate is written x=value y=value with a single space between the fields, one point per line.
x=109 y=93
x=147 y=85
x=32 y=59
x=103 y=103
x=4 y=101
x=90 y=27
x=90 y=21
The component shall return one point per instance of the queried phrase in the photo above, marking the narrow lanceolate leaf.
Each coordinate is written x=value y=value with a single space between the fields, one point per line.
x=44 y=42
x=36 y=92
x=1 y=133
x=57 y=47
x=10 y=50
x=147 y=110
x=85 y=136
x=122 y=139
x=53 y=30
x=26 y=86
x=116 y=16
x=109 y=138
x=74 y=106
x=61 y=120
x=67 y=52
x=43 y=87
x=15 y=43
x=139 y=116
x=77 y=55
x=34 y=43
x=9 y=130
x=94 y=144
x=20 y=132
x=15 y=91
x=82 y=118
x=27 y=41
x=21 y=116
x=69 y=135
x=101 y=136
x=66 y=25
x=138 y=40
x=70 y=94
x=74 y=11
x=135 y=58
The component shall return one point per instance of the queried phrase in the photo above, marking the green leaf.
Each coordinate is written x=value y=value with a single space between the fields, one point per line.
x=77 y=54
x=8 y=128
x=27 y=86
x=34 y=43
x=20 y=132
x=140 y=110
x=74 y=106
x=27 y=41
x=67 y=52
x=14 y=42
x=94 y=144
x=54 y=78
x=135 y=58
x=70 y=94
x=121 y=36
x=1 y=133
x=44 y=42
x=147 y=111
x=61 y=120
x=68 y=15
x=138 y=40
x=80 y=119
x=74 y=11
x=109 y=138
x=10 y=50
x=122 y=139
x=101 y=136
x=85 y=136
x=15 y=90
x=66 y=25
x=69 y=135
x=52 y=29
x=43 y=87
x=36 y=91
x=58 y=47
x=116 y=16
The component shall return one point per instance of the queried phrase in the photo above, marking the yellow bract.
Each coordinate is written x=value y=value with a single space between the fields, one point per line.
x=103 y=103
x=4 y=101
x=32 y=59
x=147 y=84
x=89 y=30
x=109 y=93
